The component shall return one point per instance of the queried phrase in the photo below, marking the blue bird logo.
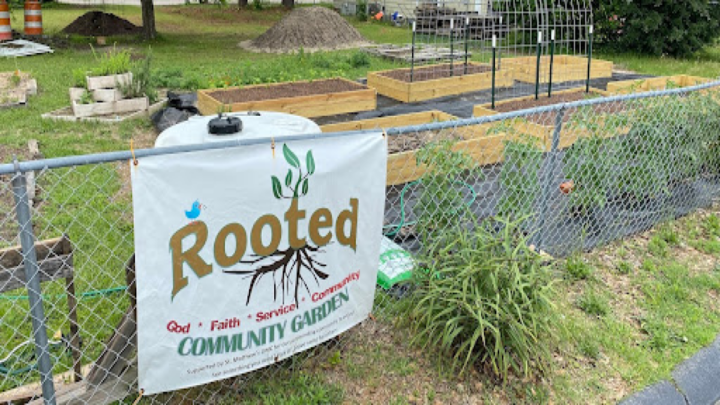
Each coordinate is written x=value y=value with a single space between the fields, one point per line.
x=194 y=212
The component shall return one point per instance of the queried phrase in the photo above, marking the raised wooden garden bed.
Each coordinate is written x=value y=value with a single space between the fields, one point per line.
x=655 y=83
x=566 y=68
x=318 y=98
x=435 y=81
x=542 y=125
x=402 y=163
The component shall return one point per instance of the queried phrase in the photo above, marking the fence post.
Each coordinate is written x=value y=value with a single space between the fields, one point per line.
x=547 y=184
x=32 y=279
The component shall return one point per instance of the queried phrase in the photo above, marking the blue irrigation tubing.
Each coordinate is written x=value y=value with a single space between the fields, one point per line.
x=402 y=222
x=88 y=294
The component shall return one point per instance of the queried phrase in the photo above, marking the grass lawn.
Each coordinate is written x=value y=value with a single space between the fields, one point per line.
x=629 y=312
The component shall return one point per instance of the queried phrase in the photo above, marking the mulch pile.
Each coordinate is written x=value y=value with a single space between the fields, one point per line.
x=297 y=89
x=99 y=24
x=309 y=28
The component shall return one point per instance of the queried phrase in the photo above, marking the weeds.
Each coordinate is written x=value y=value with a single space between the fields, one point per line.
x=111 y=63
x=593 y=304
x=577 y=268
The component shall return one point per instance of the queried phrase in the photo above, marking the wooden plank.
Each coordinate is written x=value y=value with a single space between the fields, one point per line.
x=81 y=393
x=33 y=391
x=418 y=118
x=50 y=269
x=429 y=89
x=12 y=256
x=318 y=105
x=118 y=352
x=655 y=83
x=566 y=68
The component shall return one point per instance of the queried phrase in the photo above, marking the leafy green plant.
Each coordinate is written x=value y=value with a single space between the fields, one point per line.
x=361 y=11
x=442 y=199
x=86 y=98
x=484 y=298
x=112 y=63
x=79 y=78
x=359 y=59
x=589 y=163
x=519 y=176
x=142 y=84
x=257 y=5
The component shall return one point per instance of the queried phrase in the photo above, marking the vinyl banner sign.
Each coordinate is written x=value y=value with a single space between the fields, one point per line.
x=247 y=255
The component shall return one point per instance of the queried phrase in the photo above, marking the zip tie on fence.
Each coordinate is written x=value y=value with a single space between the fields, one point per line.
x=384 y=133
x=132 y=152
x=272 y=146
x=140 y=394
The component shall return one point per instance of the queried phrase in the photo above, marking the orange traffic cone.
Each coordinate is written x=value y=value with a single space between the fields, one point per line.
x=5 y=29
x=33 y=17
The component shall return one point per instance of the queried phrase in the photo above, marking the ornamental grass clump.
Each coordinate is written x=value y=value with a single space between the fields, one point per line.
x=484 y=299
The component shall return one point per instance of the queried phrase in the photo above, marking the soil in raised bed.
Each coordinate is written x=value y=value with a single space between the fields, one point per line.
x=99 y=24
x=408 y=142
x=549 y=118
x=435 y=72
x=285 y=90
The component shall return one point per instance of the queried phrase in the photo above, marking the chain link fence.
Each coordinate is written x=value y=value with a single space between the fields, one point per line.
x=578 y=175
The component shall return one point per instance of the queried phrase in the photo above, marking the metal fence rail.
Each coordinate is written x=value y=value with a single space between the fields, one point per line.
x=578 y=174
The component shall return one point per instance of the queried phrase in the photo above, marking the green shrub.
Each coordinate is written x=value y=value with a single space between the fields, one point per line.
x=657 y=27
x=484 y=298
x=359 y=59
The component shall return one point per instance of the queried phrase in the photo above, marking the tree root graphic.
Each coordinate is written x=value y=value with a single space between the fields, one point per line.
x=290 y=264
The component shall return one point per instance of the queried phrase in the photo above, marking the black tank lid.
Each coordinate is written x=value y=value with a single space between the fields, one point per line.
x=225 y=125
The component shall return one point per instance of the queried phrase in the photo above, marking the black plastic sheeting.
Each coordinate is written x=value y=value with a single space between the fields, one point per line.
x=181 y=106
x=462 y=105
x=556 y=228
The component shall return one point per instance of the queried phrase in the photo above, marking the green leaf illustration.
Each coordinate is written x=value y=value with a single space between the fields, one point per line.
x=288 y=178
x=305 y=187
x=310 y=162
x=291 y=157
x=277 y=187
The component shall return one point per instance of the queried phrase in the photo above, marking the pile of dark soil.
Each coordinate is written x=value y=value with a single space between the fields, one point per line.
x=99 y=24
x=284 y=90
x=309 y=28
x=435 y=72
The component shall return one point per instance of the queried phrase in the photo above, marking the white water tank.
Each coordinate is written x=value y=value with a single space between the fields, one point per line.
x=254 y=125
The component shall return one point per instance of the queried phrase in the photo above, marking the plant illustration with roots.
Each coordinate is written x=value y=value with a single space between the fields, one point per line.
x=292 y=267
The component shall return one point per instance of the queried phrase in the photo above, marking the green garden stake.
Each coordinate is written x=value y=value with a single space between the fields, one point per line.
x=552 y=60
x=452 y=49
x=467 y=38
x=412 y=54
x=492 y=92
x=590 y=44
x=537 y=69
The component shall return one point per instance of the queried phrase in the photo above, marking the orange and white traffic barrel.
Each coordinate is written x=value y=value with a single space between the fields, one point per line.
x=5 y=30
x=33 y=17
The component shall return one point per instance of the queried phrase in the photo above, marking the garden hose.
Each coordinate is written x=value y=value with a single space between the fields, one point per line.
x=403 y=223
x=10 y=372
x=88 y=294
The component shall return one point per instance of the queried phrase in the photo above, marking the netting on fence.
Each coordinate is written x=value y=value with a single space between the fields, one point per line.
x=574 y=176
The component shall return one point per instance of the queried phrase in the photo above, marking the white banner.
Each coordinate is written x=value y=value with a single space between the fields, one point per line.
x=246 y=256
